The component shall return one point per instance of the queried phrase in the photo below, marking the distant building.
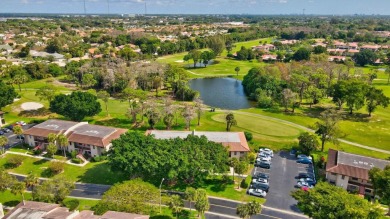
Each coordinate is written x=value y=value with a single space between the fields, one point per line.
x=350 y=171
x=83 y=138
x=56 y=56
x=234 y=141
x=41 y=210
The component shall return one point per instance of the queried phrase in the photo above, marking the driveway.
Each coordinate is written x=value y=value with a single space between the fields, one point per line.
x=283 y=171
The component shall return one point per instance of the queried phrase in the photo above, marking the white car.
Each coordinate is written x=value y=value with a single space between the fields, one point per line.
x=21 y=123
x=257 y=192
x=302 y=156
x=267 y=151
x=262 y=159
x=263 y=154
x=304 y=184
x=261 y=181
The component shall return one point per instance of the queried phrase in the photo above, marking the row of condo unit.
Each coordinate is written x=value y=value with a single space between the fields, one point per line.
x=93 y=140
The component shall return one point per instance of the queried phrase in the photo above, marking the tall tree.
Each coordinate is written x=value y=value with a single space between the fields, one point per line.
x=188 y=115
x=7 y=94
x=216 y=44
x=241 y=168
x=153 y=114
x=308 y=143
x=327 y=201
x=230 y=121
x=133 y=196
x=176 y=204
x=301 y=54
x=328 y=128
x=364 y=57
x=51 y=149
x=387 y=71
x=195 y=55
x=75 y=106
x=104 y=96
x=51 y=138
x=198 y=108
x=47 y=92
x=54 y=190
x=18 y=188
x=381 y=180
x=288 y=98
x=206 y=56
x=189 y=195
x=233 y=163
x=355 y=96
x=6 y=180
x=17 y=130
x=20 y=79
x=375 y=98
x=201 y=201
x=63 y=142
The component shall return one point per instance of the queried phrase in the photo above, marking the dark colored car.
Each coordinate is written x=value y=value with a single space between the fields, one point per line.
x=260 y=175
x=266 y=165
x=263 y=187
x=5 y=130
x=304 y=161
x=304 y=175
x=1 y=133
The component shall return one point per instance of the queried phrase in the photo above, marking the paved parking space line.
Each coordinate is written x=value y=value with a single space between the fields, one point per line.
x=271 y=216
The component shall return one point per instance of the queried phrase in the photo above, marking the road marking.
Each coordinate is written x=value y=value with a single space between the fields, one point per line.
x=222 y=206
x=285 y=212
x=222 y=215
x=271 y=216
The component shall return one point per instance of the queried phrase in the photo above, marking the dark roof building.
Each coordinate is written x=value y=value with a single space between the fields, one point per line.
x=350 y=171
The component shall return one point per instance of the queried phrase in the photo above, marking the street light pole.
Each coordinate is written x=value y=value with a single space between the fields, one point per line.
x=160 y=192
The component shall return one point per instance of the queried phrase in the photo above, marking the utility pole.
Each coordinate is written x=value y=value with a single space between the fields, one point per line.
x=303 y=11
x=145 y=9
x=160 y=192
x=108 y=7
x=85 y=9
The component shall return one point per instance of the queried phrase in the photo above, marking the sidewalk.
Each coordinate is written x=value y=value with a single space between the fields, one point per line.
x=46 y=158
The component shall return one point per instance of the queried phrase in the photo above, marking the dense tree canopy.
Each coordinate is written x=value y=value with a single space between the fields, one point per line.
x=365 y=57
x=381 y=181
x=54 y=190
x=7 y=94
x=177 y=160
x=75 y=106
x=328 y=201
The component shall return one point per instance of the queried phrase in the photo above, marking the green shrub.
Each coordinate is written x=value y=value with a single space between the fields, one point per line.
x=161 y=217
x=245 y=182
x=15 y=161
x=99 y=158
x=248 y=136
x=56 y=167
x=37 y=152
x=73 y=154
x=227 y=179
x=72 y=204
x=76 y=160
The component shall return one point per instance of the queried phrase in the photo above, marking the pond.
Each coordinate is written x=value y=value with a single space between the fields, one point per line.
x=225 y=93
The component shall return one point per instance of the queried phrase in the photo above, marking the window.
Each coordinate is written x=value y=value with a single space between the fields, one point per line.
x=94 y=147
x=342 y=177
x=354 y=178
x=241 y=153
x=368 y=190
x=333 y=174
x=235 y=153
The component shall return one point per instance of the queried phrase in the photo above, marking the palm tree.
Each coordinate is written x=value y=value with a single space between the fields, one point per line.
x=51 y=138
x=237 y=69
x=20 y=79
x=190 y=195
x=17 y=130
x=3 y=142
x=18 y=188
x=230 y=121
x=31 y=181
x=176 y=204
x=62 y=141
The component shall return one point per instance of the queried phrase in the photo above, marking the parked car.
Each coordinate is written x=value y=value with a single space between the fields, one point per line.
x=267 y=151
x=257 y=192
x=263 y=159
x=304 y=161
x=263 y=164
x=1 y=133
x=304 y=175
x=293 y=152
x=302 y=184
x=308 y=180
x=260 y=180
x=260 y=175
x=302 y=156
x=10 y=127
x=261 y=186
x=21 y=123
x=6 y=130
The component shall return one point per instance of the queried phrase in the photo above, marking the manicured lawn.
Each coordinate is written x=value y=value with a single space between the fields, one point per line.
x=99 y=173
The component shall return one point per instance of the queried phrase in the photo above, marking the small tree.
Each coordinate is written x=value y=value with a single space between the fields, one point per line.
x=47 y=92
x=18 y=188
x=190 y=195
x=327 y=128
x=3 y=143
x=31 y=181
x=54 y=190
x=230 y=121
x=15 y=161
x=51 y=138
x=243 y=211
x=237 y=69
x=381 y=180
x=56 y=167
x=17 y=130
x=254 y=208
x=233 y=163
x=198 y=109
x=188 y=114
x=6 y=180
x=104 y=96
x=62 y=141
x=308 y=143
x=176 y=204
x=374 y=98
x=240 y=169
x=201 y=201
x=51 y=149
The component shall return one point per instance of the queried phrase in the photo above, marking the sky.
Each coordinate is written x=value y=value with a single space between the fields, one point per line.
x=265 y=7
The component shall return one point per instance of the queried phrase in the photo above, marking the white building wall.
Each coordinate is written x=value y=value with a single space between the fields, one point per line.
x=71 y=147
x=94 y=151
x=342 y=181
x=29 y=139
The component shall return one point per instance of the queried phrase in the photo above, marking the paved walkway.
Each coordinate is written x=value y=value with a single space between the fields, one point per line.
x=307 y=129
x=46 y=158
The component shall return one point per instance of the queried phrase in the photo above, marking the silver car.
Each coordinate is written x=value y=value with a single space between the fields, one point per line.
x=257 y=192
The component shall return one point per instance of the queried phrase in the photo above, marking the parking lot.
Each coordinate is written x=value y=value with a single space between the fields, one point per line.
x=12 y=138
x=282 y=180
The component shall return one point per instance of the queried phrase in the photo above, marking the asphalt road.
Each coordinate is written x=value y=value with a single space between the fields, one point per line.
x=12 y=138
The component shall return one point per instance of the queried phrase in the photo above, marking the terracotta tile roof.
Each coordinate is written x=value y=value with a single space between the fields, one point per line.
x=86 y=214
x=40 y=132
x=351 y=164
x=96 y=140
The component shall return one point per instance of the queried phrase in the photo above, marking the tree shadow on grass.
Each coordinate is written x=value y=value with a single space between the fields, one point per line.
x=101 y=173
x=40 y=162
x=47 y=173
x=217 y=185
x=11 y=203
